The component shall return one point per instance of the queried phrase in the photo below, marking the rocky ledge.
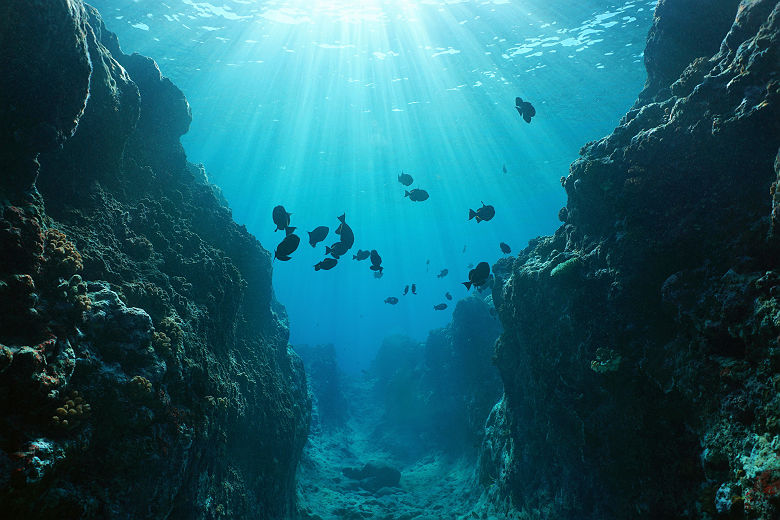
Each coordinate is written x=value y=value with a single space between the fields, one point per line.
x=641 y=356
x=144 y=364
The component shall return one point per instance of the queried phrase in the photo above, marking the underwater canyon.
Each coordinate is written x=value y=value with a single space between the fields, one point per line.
x=627 y=366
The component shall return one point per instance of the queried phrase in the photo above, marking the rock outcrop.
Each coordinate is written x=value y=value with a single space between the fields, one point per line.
x=640 y=356
x=144 y=365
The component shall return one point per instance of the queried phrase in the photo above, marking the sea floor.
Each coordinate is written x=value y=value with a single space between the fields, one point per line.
x=433 y=485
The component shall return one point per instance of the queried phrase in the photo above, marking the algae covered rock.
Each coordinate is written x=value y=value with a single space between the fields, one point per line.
x=638 y=376
x=144 y=364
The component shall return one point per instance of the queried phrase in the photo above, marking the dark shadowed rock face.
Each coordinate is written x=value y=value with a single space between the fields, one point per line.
x=640 y=356
x=329 y=406
x=144 y=364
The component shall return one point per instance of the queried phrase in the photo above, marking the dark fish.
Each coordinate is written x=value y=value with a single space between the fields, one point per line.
x=448 y=296
x=440 y=306
x=361 y=255
x=416 y=195
x=464 y=249
x=345 y=232
x=326 y=264
x=405 y=179
x=318 y=235
x=375 y=258
x=505 y=248
x=392 y=300
x=281 y=217
x=378 y=274
x=377 y=268
x=484 y=213
x=427 y=263
x=503 y=168
x=478 y=276
x=414 y=288
x=443 y=273
x=286 y=247
x=406 y=290
x=336 y=250
x=525 y=109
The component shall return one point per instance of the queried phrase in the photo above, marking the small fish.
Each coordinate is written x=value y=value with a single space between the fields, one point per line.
x=484 y=213
x=345 y=232
x=286 y=247
x=406 y=290
x=427 y=264
x=478 y=276
x=503 y=168
x=392 y=300
x=318 y=235
x=405 y=179
x=443 y=273
x=525 y=109
x=505 y=248
x=361 y=255
x=281 y=217
x=440 y=306
x=375 y=258
x=326 y=264
x=448 y=296
x=414 y=288
x=416 y=195
x=337 y=249
x=464 y=249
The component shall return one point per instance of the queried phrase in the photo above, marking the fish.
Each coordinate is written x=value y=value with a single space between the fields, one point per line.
x=361 y=254
x=337 y=249
x=448 y=296
x=286 y=247
x=326 y=264
x=281 y=217
x=427 y=264
x=464 y=249
x=378 y=274
x=505 y=248
x=318 y=235
x=378 y=268
x=405 y=179
x=375 y=258
x=484 y=213
x=345 y=232
x=503 y=168
x=440 y=306
x=392 y=300
x=416 y=195
x=414 y=288
x=525 y=109
x=478 y=276
x=443 y=273
x=406 y=290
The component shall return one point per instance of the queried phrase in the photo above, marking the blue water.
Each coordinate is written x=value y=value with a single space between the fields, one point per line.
x=319 y=105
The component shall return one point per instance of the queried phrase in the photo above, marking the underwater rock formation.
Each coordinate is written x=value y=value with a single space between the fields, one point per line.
x=144 y=364
x=440 y=391
x=329 y=406
x=641 y=355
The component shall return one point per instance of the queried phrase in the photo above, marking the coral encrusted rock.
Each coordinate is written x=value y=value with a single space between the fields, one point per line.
x=145 y=370
x=641 y=379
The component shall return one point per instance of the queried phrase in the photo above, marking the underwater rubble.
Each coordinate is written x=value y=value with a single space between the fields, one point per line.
x=144 y=364
x=641 y=350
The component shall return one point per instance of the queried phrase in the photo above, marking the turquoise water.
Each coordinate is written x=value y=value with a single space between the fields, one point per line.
x=319 y=105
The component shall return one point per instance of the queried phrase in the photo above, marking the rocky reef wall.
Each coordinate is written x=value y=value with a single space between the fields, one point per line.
x=640 y=355
x=144 y=364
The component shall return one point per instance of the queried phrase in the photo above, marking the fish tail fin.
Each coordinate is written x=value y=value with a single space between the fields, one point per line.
x=406 y=193
x=472 y=214
x=468 y=285
x=328 y=250
x=343 y=217
x=316 y=267
x=289 y=230
x=354 y=257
